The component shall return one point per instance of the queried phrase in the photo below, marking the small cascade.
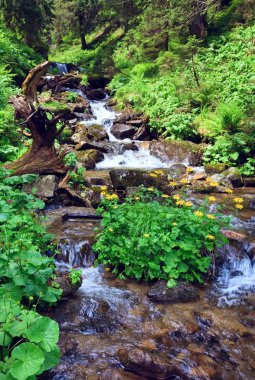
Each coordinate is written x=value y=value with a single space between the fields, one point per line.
x=105 y=116
x=94 y=286
x=75 y=254
x=236 y=277
x=62 y=67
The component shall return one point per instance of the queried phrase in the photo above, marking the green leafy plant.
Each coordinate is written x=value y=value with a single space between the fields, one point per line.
x=72 y=97
x=136 y=243
x=75 y=276
x=248 y=169
x=28 y=341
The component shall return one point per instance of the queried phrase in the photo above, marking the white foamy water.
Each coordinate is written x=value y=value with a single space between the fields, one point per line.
x=236 y=279
x=94 y=287
x=141 y=159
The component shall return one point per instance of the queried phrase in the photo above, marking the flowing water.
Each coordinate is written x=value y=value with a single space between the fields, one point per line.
x=212 y=338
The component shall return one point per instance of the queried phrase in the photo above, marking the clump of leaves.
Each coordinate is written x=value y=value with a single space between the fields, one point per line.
x=28 y=342
x=75 y=276
x=137 y=244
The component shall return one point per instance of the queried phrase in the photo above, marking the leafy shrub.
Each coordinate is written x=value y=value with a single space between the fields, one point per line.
x=137 y=244
x=28 y=341
x=75 y=276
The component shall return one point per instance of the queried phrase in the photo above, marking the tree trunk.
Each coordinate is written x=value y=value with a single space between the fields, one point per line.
x=83 y=42
x=42 y=157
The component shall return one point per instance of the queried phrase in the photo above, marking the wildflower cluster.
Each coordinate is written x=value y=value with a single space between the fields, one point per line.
x=157 y=236
x=238 y=203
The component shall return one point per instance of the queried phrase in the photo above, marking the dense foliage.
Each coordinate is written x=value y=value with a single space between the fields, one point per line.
x=28 y=341
x=153 y=236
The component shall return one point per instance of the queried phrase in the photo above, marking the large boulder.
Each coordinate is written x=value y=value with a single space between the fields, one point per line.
x=122 y=131
x=95 y=94
x=93 y=132
x=89 y=157
x=142 y=133
x=44 y=187
x=123 y=179
x=184 y=152
x=147 y=364
x=182 y=293
x=234 y=176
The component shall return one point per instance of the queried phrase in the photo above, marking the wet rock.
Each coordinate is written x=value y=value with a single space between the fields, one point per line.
x=147 y=364
x=129 y=146
x=93 y=132
x=83 y=145
x=234 y=176
x=98 y=178
x=95 y=94
x=44 y=187
x=236 y=273
x=65 y=284
x=142 y=134
x=87 y=315
x=97 y=81
x=177 y=170
x=234 y=235
x=202 y=187
x=177 y=151
x=89 y=157
x=128 y=178
x=118 y=374
x=122 y=131
x=179 y=294
x=214 y=168
x=249 y=182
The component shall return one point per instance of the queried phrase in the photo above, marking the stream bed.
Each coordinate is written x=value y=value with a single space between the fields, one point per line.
x=109 y=324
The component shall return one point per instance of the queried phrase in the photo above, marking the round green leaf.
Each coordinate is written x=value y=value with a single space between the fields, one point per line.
x=44 y=331
x=5 y=338
x=28 y=359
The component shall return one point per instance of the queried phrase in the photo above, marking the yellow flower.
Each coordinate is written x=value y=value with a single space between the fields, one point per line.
x=198 y=213
x=214 y=184
x=103 y=188
x=210 y=237
x=146 y=235
x=210 y=216
x=180 y=203
x=111 y=197
x=238 y=200
x=174 y=224
x=159 y=171
x=137 y=198
x=229 y=191
x=183 y=181
x=239 y=206
x=208 y=179
x=173 y=184
x=212 y=198
x=31 y=298
x=176 y=197
x=188 y=204
x=150 y=189
x=115 y=207
x=189 y=170
x=153 y=175
x=110 y=229
x=107 y=269
x=165 y=196
x=103 y=193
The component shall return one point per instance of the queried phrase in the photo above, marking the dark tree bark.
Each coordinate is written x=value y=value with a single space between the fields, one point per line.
x=42 y=157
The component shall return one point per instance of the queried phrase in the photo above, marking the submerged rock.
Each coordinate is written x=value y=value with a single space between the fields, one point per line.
x=119 y=374
x=147 y=364
x=179 y=294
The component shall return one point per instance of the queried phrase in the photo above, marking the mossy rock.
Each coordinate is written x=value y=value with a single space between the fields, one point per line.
x=89 y=157
x=178 y=151
x=234 y=176
x=214 y=168
x=93 y=132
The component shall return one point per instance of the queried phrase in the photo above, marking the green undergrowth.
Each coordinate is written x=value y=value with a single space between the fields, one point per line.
x=28 y=341
x=94 y=61
x=16 y=59
x=153 y=236
x=207 y=95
